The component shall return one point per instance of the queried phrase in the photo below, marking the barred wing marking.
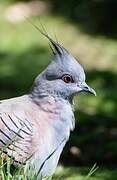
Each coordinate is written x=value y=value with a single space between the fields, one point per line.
x=15 y=136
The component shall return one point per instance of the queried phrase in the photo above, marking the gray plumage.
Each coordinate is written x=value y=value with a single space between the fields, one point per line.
x=41 y=121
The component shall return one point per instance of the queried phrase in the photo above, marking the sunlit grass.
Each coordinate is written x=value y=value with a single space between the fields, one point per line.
x=20 y=172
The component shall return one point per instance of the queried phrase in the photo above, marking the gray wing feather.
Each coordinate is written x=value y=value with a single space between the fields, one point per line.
x=15 y=135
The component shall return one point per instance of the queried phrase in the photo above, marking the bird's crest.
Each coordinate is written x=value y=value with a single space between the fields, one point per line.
x=58 y=49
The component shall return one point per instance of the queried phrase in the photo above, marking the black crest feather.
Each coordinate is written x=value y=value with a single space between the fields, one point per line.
x=58 y=49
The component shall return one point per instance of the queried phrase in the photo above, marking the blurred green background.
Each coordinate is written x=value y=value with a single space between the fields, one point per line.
x=88 y=29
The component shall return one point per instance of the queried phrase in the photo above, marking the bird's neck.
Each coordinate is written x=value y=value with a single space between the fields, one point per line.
x=41 y=95
x=42 y=90
x=44 y=98
x=57 y=107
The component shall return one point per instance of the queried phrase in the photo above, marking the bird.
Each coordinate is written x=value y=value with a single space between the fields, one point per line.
x=35 y=127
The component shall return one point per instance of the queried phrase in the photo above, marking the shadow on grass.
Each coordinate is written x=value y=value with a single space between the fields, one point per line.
x=17 y=71
x=93 y=17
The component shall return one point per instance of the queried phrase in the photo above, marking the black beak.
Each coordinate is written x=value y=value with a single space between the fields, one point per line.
x=88 y=89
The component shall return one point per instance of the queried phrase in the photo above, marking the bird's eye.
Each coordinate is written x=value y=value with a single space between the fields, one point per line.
x=67 y=78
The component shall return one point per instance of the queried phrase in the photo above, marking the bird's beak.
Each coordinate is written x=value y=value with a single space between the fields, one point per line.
x=86 y=88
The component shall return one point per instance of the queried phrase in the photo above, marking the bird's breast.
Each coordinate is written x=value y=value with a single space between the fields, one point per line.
x=51 y=131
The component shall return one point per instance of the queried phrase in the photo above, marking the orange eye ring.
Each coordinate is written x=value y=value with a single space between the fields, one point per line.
x=67 y=78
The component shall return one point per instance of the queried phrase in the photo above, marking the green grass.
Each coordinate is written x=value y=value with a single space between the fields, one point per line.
x=22 y=172
x=73 y=173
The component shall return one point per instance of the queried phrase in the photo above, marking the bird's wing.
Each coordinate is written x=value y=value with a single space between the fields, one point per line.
x=15 y=133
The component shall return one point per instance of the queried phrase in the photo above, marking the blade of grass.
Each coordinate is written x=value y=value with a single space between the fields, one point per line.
x=92 y=170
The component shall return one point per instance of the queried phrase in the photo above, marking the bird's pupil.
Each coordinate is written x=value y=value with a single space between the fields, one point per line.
x=67 y=79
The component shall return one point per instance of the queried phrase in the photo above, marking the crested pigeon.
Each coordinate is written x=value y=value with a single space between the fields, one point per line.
x=41 y=121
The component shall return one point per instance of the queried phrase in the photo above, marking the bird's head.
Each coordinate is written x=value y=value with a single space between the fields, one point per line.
x=64 y=76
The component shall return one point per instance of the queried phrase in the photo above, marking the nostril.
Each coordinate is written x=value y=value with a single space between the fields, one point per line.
x=86 y=88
